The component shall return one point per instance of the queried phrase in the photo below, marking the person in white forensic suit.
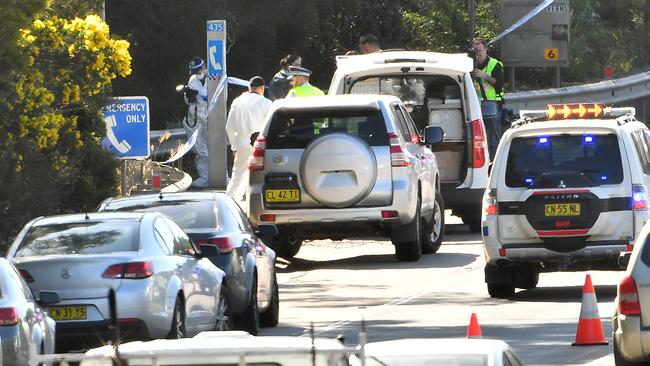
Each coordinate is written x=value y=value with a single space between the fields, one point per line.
x=245 y=120
x=196 y=98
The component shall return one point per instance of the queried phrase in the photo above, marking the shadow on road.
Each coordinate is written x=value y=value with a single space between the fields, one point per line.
x=564 y=294
x=376 y=262
x=531 y=341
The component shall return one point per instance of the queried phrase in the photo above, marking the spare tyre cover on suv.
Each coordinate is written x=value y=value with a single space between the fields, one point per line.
x=338 y=170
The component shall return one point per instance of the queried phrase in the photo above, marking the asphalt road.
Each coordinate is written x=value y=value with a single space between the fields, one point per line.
x=333 y=285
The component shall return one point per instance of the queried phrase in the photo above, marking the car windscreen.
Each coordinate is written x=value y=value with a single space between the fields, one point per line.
x=428 y=360
x=564 y=161
x=295 y=129
x=88 y=237
x=188 y=214
x=410 y=88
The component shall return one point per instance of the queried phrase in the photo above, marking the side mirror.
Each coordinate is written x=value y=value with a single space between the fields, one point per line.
x=48 y=297
x=208 y=250
x=267 y=232
x=624 y=259
x=489 y=108
x=433 y=135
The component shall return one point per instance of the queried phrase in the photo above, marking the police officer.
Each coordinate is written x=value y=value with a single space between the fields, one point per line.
x=488 y=75
x=280 y=85
x=245 y=120
x=196 y=118
x=299 y=78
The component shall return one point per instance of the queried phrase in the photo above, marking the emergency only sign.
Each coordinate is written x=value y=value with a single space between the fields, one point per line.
x=127 y=127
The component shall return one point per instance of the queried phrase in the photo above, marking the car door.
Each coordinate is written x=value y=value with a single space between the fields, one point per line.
x=198 y=280
x=245 y=250
x=427 y=161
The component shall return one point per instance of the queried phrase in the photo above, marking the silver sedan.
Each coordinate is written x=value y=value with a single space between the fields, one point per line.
x=163 y=286
x=213 y=218
x=24 y=329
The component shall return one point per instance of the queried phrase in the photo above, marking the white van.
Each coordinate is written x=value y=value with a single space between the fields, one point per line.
x=437 y=90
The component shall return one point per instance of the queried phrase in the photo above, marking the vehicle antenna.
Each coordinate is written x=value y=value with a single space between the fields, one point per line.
x=313 y=344
x=160 y=196
x=87 y=217
x=363 y=338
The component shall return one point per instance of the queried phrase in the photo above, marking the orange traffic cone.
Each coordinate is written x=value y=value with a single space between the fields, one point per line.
x=590 y=329
x=474 y=329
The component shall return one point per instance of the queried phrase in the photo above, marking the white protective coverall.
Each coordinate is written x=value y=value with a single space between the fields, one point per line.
x=247 y=116
x=197 y=118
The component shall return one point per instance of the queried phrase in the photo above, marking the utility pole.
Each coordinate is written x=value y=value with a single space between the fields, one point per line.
x=472 y=18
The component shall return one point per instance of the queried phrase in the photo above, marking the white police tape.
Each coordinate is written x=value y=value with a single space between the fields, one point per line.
x=192 y=140
x=538 y=9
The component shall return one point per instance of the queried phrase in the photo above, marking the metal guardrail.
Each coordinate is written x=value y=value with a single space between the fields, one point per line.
x=171 y=140
x=607 y=92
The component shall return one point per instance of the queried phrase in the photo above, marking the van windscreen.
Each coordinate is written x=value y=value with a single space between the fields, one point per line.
x=564 y=161
x=295 y=129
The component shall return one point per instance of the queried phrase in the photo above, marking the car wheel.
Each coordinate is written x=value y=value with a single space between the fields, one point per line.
x=286 y=244
x=249 y=320
x=225 y=320
x=527 y=277
x=178 y=321
x=618 y=357
x=433 y=234
x=411 y=251
x=271 y=316
x=501 y=290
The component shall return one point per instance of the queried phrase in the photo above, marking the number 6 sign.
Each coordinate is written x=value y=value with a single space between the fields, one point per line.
x=551 y=54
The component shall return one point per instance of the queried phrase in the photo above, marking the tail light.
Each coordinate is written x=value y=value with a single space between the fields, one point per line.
x=224 y=244
x=256 y=161
x=491 y=203
x=26 y=276
x=389 y=214
x=131 y=270
x=639 y=198
x=478 y=144
x=267 y=217
x=628 y=297
x=9 y=316
x=397 y=156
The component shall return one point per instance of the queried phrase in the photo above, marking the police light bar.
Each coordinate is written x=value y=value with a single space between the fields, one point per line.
x=578 y=111
x=574 y=111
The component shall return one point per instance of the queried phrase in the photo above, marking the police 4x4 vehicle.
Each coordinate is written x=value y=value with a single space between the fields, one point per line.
x=336 y=167
x=568 y=191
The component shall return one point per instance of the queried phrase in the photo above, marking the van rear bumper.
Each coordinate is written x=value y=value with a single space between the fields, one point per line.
x=462 y=198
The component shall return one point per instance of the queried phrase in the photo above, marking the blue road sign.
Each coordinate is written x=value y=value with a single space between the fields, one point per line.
x=215 y=57
x=127 y=127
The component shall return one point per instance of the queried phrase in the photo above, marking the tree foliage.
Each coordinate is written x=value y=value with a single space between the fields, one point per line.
x=52 y=156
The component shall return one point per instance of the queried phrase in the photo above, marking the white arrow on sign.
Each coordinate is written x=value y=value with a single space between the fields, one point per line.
x=213 y=58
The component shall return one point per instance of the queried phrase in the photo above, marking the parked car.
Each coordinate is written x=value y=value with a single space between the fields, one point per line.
x=213 y=218
x=226 y=348
x=564 y=195
x=336 y=167
x=437 y=90
x=630 y=324
x=25 y=330
x=163 y=285
x=438 y=351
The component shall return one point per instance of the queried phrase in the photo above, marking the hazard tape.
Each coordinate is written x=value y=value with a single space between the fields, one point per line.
x=186 y=147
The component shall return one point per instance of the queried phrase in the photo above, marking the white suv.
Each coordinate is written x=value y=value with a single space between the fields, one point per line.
x=565 y=194
x=437 y=90
x=336 y=167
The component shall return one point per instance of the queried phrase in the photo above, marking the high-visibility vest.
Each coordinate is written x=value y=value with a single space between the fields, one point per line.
x=305 y=90
x=490 y=92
